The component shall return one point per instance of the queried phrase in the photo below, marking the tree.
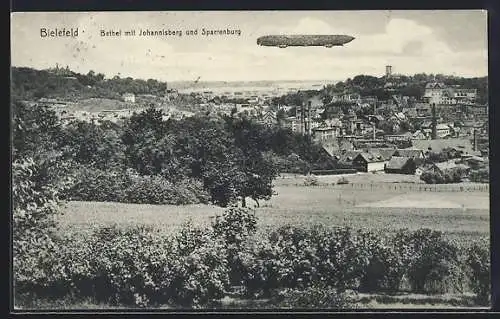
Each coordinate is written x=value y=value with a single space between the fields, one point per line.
x=259 y=170
x=36 y=130
x=90 y=144
x=148 y=146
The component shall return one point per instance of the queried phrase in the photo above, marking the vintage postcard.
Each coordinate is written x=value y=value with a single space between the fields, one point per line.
x=303 y=160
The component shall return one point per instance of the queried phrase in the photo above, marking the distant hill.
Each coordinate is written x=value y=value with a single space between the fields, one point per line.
x=412 y=85
x=29 y=84
x=62 y=83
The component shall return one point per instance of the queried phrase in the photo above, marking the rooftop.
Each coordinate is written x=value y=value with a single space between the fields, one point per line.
x=464 y=145
x=397 y=162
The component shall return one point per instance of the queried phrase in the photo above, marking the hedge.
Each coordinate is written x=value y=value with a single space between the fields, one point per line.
x=93 y=184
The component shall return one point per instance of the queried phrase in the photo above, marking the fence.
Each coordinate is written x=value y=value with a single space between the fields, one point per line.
x=403 y=187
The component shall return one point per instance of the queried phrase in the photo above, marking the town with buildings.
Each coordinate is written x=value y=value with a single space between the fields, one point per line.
x=393 y=135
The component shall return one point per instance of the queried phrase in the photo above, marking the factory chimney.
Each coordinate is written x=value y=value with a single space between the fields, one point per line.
x=388 y=71
x=474 y=145
x=309 y=131
x=434 y=122
x=302 y=124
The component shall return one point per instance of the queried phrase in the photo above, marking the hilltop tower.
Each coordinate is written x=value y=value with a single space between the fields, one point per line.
x=388 y=71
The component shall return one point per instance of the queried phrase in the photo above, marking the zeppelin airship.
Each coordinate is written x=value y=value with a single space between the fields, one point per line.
x=283 y=41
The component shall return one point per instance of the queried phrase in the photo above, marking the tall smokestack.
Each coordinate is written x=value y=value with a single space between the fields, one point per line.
x=434 y=122
x=309 y=131
x=474 y=145
x=302 y=124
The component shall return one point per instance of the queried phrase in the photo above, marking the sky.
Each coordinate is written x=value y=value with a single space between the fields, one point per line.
x=450 y=42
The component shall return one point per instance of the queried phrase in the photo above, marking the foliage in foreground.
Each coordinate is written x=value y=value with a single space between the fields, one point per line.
x=198 y=266
x=35 y=205
x=293 y=267
x=478 y=260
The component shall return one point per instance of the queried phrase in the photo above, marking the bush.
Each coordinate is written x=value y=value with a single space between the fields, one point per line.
x=93 y=184
x=158 y=190
x=128 y=187
x=432 y=178
x=311 y=180
x=139 y=267
x=292 y=164
x=478 y=261
x=480 y=176
x=234 y=227
x=342 y=257
x=384 y=270
x=452 y=176
x=342 y=181
x=428 y=258
x=293 y=257
x=35 y=205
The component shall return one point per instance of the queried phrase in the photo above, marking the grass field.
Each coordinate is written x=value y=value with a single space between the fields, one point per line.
x=460 y=216
x=379 y=177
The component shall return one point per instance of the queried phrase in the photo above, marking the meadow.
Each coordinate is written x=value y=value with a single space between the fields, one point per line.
x=458 y=216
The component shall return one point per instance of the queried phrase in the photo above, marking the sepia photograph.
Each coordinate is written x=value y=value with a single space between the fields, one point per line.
x=250 y=160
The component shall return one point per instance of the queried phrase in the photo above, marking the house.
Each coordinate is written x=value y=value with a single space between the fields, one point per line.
x=423 y=109
x=401 y=165
x=292 y=123
x=465 y=95
x=416 y=154
x=360 y=127
x=337 y=147
x=401 y=137
x=410 y=111
x=327 y=130
x=439 y=94
x=323 y=133
x=369 y=100
x=269 y=118
x=386 y=153
x=434 y=92
x=129 y=97
x=368 y=162
x=420 y=135
x=346 y=97
x=398 y=117
x=346 y=158
x=463 y=146
x=443 y=130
